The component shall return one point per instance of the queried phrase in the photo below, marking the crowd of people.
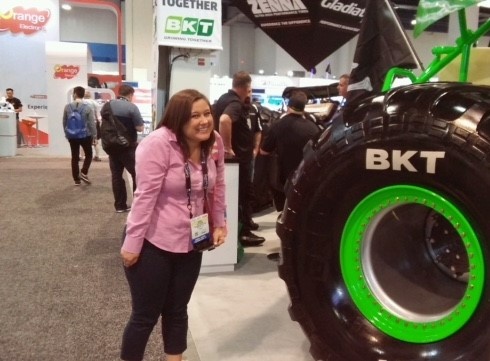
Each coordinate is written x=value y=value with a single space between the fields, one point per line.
x=178 y=206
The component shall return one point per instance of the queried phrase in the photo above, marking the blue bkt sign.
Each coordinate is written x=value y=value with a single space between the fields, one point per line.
x=189 y=26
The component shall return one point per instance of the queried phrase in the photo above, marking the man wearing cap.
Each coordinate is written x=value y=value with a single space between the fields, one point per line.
x=288 y=137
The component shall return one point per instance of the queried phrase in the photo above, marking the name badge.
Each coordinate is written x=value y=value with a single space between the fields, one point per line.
x=201 y=237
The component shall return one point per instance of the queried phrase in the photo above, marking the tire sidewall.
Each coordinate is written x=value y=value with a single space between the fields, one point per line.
x=336 y=184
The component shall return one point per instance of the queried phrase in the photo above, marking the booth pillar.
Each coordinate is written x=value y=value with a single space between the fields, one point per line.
x=66 y=68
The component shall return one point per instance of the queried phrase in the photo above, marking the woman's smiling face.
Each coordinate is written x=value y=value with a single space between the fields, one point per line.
x=200 y=125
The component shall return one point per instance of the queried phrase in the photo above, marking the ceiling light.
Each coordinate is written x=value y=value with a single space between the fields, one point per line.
x=66 y=7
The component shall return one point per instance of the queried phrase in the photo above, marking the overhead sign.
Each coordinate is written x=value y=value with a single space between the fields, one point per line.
x=20 y=20
x=65 y=71
x=309 y=30
x=189 y=23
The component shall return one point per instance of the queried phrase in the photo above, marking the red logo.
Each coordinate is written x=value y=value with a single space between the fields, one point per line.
x=27 y=21
x=66 y=71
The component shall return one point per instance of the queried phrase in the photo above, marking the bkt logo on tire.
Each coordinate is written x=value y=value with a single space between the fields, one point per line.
x=189 y=26
x=379 y=159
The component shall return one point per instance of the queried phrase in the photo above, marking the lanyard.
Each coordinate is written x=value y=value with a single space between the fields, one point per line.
x=187 y=172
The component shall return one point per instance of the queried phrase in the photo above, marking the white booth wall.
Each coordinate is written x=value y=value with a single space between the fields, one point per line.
x=89 y=25
x=22 y=59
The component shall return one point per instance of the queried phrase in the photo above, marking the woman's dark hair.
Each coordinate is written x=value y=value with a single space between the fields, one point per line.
x=178 y=113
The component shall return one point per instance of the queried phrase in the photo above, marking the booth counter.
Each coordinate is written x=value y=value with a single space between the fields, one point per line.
x=224 y=258
x=8 y=134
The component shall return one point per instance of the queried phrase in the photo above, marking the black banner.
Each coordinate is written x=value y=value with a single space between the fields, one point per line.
x=308 y=30
x=382 y=44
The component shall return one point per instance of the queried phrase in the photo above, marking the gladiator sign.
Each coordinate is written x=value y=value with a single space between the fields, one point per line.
x=309 y=30
x=21 y=20
x=189 y=23
x=66 y=71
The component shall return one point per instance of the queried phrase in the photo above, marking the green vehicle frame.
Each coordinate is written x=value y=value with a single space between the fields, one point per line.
x=443 y=55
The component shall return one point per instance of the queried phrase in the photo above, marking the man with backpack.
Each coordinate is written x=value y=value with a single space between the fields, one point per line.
x=80 y=130
x=127 y=115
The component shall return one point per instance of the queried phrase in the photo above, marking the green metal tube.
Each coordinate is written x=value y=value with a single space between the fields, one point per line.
x=444 y=55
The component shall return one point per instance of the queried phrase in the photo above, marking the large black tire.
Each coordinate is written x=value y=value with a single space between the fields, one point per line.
x=386 y=229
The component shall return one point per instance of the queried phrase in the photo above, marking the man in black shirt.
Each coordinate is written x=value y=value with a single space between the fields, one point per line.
x=288 y=137
x=17 y=104
x=338 y=116
x=241 y=139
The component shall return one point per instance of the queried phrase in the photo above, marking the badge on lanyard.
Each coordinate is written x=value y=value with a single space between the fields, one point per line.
x=200 y=233
x=201 y=237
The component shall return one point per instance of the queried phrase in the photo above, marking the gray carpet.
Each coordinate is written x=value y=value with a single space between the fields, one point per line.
x=63 y=295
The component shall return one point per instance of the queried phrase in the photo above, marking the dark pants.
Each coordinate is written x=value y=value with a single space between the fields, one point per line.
x=279 y=200
x=261 y=183
x=245 y=195
x=20 y=136
x=75 y=145
x=117 y=163
x=161 y=283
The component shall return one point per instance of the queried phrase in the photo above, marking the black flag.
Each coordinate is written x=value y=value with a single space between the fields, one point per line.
x=328 y=71
x=382 y=44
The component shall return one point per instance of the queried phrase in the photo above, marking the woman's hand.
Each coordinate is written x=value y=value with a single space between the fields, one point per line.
x=129 y=258
x=219 y=236
x=229 y=153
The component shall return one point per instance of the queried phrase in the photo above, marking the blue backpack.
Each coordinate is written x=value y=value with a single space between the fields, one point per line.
x=76 y=127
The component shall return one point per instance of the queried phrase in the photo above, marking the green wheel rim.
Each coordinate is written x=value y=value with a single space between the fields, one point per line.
x=384 y=314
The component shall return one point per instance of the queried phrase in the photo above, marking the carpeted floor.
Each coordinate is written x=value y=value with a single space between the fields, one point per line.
x=63 y=295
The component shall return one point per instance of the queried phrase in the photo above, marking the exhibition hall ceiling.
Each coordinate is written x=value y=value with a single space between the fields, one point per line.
x=406 y=10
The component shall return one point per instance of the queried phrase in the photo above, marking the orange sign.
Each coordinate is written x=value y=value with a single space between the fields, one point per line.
x=65 y=71
x=27 y=21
